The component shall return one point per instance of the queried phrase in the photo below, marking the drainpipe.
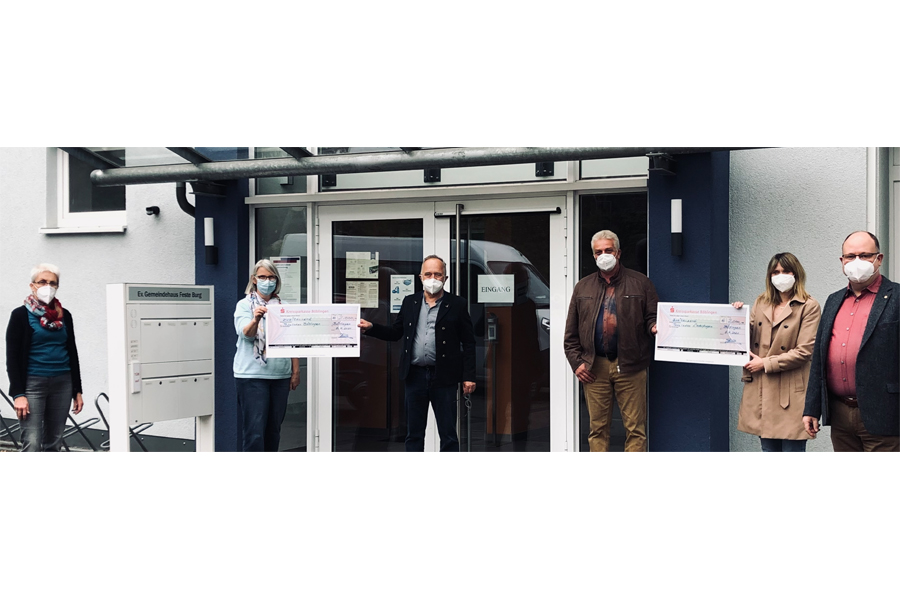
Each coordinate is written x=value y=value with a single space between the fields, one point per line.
x=181 y=196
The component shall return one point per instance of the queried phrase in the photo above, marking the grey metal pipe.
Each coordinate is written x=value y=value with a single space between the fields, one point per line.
x=367 y=163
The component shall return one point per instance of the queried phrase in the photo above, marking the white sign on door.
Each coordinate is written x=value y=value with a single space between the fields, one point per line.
x=401 y=287
x=496 y=289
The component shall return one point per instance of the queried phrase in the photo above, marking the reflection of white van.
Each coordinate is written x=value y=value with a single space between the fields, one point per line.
x=491 y=258
x=485 y=258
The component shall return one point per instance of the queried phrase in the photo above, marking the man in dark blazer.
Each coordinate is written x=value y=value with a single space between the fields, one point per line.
x=438 y=353
x=854 y=379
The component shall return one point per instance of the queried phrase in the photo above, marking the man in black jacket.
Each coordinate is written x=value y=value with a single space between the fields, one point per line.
x=854 y=378
x=438 y=354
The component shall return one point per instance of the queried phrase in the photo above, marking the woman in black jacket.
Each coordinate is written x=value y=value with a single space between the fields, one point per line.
x=42 y=363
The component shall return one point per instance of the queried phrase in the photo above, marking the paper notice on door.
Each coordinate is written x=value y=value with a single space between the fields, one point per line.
x=401 y=287
x=364 y=293
x=362 y=265
x=291 y=278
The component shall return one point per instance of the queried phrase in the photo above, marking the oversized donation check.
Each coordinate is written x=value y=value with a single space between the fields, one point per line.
x=716 y=334
x=297 y=330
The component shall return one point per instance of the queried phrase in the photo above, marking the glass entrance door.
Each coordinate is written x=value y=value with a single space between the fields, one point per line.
x=505 y=245
x=367 y=255
x=506 y=273
x=626 y=215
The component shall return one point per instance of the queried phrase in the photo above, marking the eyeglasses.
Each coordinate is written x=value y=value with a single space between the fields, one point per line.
x=869 y=256
x=433 y=275
x=607 y=251
x=267 y=277
x=43 y=282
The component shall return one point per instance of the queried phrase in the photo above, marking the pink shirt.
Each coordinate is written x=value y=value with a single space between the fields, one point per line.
x=846 y=338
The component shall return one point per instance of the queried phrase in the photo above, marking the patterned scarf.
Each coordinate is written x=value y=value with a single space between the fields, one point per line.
x=50 y=314
x=259 y=346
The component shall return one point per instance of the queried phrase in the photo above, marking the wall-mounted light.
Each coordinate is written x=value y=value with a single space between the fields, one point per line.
x=209 y=240
x=677 y=235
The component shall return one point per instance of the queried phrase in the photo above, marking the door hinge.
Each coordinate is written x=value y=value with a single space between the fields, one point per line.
x=316 y=247
x=316 y=441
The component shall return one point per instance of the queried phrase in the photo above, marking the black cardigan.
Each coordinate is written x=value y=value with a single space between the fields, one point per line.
x=18 y=351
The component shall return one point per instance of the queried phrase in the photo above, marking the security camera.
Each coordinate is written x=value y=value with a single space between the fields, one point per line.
x=153 y=210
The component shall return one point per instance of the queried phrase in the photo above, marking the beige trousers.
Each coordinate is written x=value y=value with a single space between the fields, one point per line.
x=631 y=395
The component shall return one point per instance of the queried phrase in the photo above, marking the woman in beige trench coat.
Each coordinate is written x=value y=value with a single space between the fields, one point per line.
x=783 y=323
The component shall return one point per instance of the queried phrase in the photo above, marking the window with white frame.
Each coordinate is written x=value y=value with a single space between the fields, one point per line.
x=79 y=204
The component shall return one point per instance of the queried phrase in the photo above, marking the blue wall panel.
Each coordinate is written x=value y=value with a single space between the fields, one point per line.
x=688 y=404
x=230 y=275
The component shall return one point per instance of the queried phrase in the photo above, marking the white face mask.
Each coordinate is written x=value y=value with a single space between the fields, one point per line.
x=46 y=293
x=783 y=281
x=606 y=262
x=859 y=270
x=432 y=286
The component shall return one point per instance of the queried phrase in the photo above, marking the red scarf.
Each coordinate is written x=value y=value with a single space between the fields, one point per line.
x=50 y=314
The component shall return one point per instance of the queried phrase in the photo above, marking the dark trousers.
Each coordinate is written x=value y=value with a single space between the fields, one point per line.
x=776 y=445
x=263 y=403
x=49 y=399
x=419 y=392
x=848 y=434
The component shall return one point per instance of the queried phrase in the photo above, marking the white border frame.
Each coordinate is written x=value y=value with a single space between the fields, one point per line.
x=111 y=221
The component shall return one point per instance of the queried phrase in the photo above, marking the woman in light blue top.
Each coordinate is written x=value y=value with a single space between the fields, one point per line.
x=263 y=383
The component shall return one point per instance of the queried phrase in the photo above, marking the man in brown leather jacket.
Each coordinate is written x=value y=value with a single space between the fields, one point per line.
x=609 y=343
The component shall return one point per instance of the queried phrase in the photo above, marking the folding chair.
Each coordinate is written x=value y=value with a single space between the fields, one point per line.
x=134 y=431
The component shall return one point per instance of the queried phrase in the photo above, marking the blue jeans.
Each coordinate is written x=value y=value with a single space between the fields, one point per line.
x=419 y=392
x=263 y=403
x=49 y=399
x=771 y=445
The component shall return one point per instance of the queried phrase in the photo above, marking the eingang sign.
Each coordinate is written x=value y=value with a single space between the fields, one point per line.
x=496 y=289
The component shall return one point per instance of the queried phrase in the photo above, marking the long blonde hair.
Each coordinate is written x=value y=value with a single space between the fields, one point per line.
x=791 y=264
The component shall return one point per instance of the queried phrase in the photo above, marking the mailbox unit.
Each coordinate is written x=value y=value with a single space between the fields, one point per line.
x=161 y=358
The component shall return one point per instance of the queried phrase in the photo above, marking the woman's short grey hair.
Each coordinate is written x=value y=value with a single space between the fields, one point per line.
x=268 y=266
x=38 y=269
x=606 y=234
